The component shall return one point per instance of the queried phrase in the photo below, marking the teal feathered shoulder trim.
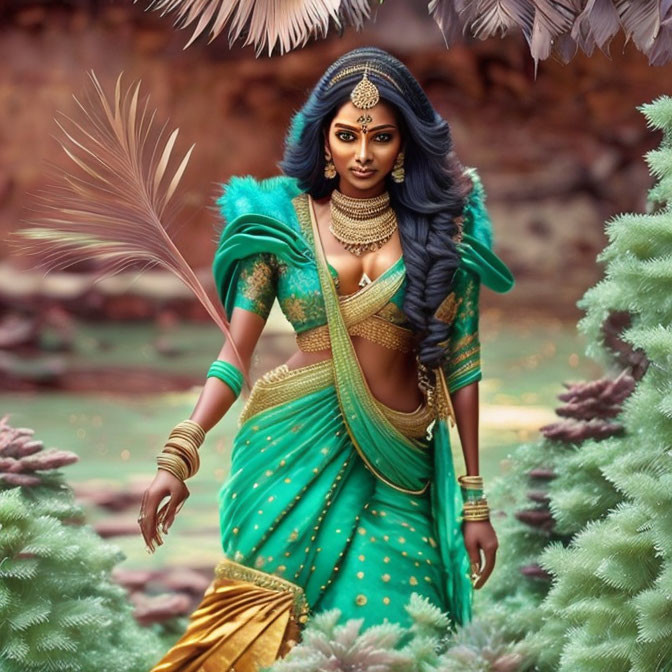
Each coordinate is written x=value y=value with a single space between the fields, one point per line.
x=245 y=195
x=258 y=218
x=476 y=246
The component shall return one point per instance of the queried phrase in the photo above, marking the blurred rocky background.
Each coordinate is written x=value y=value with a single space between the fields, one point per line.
x=559 y=154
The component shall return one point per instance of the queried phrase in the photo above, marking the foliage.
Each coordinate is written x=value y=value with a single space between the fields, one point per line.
x=591 y=497
x=59 y=609
x=427 y=646
x=611 y=593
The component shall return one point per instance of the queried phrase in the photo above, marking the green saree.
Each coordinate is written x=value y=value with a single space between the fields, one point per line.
x=332 y=496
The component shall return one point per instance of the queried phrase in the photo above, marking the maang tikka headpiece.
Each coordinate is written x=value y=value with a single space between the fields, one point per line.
x=365 y=95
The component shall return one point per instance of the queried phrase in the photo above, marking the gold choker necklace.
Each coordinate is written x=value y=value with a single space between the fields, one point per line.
x=362 y=224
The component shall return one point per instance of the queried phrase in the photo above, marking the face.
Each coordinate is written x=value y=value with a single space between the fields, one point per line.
x=363 y=144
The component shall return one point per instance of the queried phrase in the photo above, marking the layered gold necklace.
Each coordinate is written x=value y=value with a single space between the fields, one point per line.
x=362 y=224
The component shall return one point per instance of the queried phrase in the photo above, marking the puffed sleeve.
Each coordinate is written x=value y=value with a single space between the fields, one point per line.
x=479 y=265
x=256 y=286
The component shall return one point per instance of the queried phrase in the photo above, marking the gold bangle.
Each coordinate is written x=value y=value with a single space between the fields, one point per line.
x=191 y=461
x=185 y=446
x=191 y=430
x=170 y=470
x=475 y=503
x=180 y=453
x=470 y=481
x=173 y=465
x=475 y=511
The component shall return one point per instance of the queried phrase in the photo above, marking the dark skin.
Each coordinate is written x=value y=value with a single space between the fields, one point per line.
x=363 y=157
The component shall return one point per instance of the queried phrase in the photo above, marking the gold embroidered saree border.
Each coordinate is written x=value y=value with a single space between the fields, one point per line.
x=228 y=569
x=373 y=328
x=282 y=385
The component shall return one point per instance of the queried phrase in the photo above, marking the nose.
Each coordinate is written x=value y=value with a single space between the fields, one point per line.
x=363 y=154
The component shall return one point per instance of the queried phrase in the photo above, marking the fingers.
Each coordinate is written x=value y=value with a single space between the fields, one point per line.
x=153 y=520
x=148 y=519
x=142 y=521
x=475 y=560
x=489 y=551
x=171 y=510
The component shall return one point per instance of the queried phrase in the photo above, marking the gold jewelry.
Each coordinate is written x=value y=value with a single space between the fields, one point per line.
x=362 y=224
x=364 y=120
x=398 y=172
x=459 y=222
x=180 y=453
x=474 y=481
x=475 y=575
x=365 y=95
x=476 y=510
x=363 y=67
x=329 y=167
x=173 y=465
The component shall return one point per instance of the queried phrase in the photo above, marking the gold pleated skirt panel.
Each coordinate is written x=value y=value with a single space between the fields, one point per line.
x=239 y=626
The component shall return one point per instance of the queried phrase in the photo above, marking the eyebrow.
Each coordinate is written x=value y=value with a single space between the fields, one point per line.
x=371 y=130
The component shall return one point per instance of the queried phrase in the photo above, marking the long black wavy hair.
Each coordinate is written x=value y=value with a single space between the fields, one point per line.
x=427 y=202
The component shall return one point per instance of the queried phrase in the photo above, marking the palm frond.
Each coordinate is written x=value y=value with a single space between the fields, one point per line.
x=110 y=205
x=266 y=24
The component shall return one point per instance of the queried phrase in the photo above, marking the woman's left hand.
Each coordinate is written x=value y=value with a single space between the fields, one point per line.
x=480 y=535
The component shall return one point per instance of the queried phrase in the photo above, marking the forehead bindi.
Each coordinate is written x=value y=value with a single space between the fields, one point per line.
x=380 y=115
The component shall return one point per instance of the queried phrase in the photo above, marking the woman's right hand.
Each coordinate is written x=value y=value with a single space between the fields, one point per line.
x=151 y=518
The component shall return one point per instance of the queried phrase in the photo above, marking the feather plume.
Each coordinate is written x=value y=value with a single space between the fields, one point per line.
x=596 y=25
x=266 y=24
x=493 y=17
x=558 y=27
x=354 y=13
x=661 y=51
x=447 y=14
x=640 y=20
x=111 y=205
x=552 y=18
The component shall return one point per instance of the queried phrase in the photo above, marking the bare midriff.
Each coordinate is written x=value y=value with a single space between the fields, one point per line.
x=392 y=376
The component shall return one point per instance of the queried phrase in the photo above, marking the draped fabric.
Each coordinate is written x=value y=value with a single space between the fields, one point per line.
x=301 y=504
x=239 y=625
x=334 y=500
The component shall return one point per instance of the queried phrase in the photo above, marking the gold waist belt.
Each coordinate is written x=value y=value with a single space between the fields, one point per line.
x=373 y=328
x=282 y=385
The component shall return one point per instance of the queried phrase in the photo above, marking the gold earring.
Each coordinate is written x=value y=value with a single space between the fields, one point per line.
x=398 y=172
x=329 y=167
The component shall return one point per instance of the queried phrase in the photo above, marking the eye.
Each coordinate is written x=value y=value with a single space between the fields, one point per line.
x=383 y=137
x=345 y=136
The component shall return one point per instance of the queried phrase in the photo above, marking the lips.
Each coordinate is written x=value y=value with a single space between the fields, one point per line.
x=362 y=173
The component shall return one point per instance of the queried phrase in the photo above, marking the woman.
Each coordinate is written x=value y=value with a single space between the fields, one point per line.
x=342 y=491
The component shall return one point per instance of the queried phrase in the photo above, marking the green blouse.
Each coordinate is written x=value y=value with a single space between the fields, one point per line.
x=265 y=251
